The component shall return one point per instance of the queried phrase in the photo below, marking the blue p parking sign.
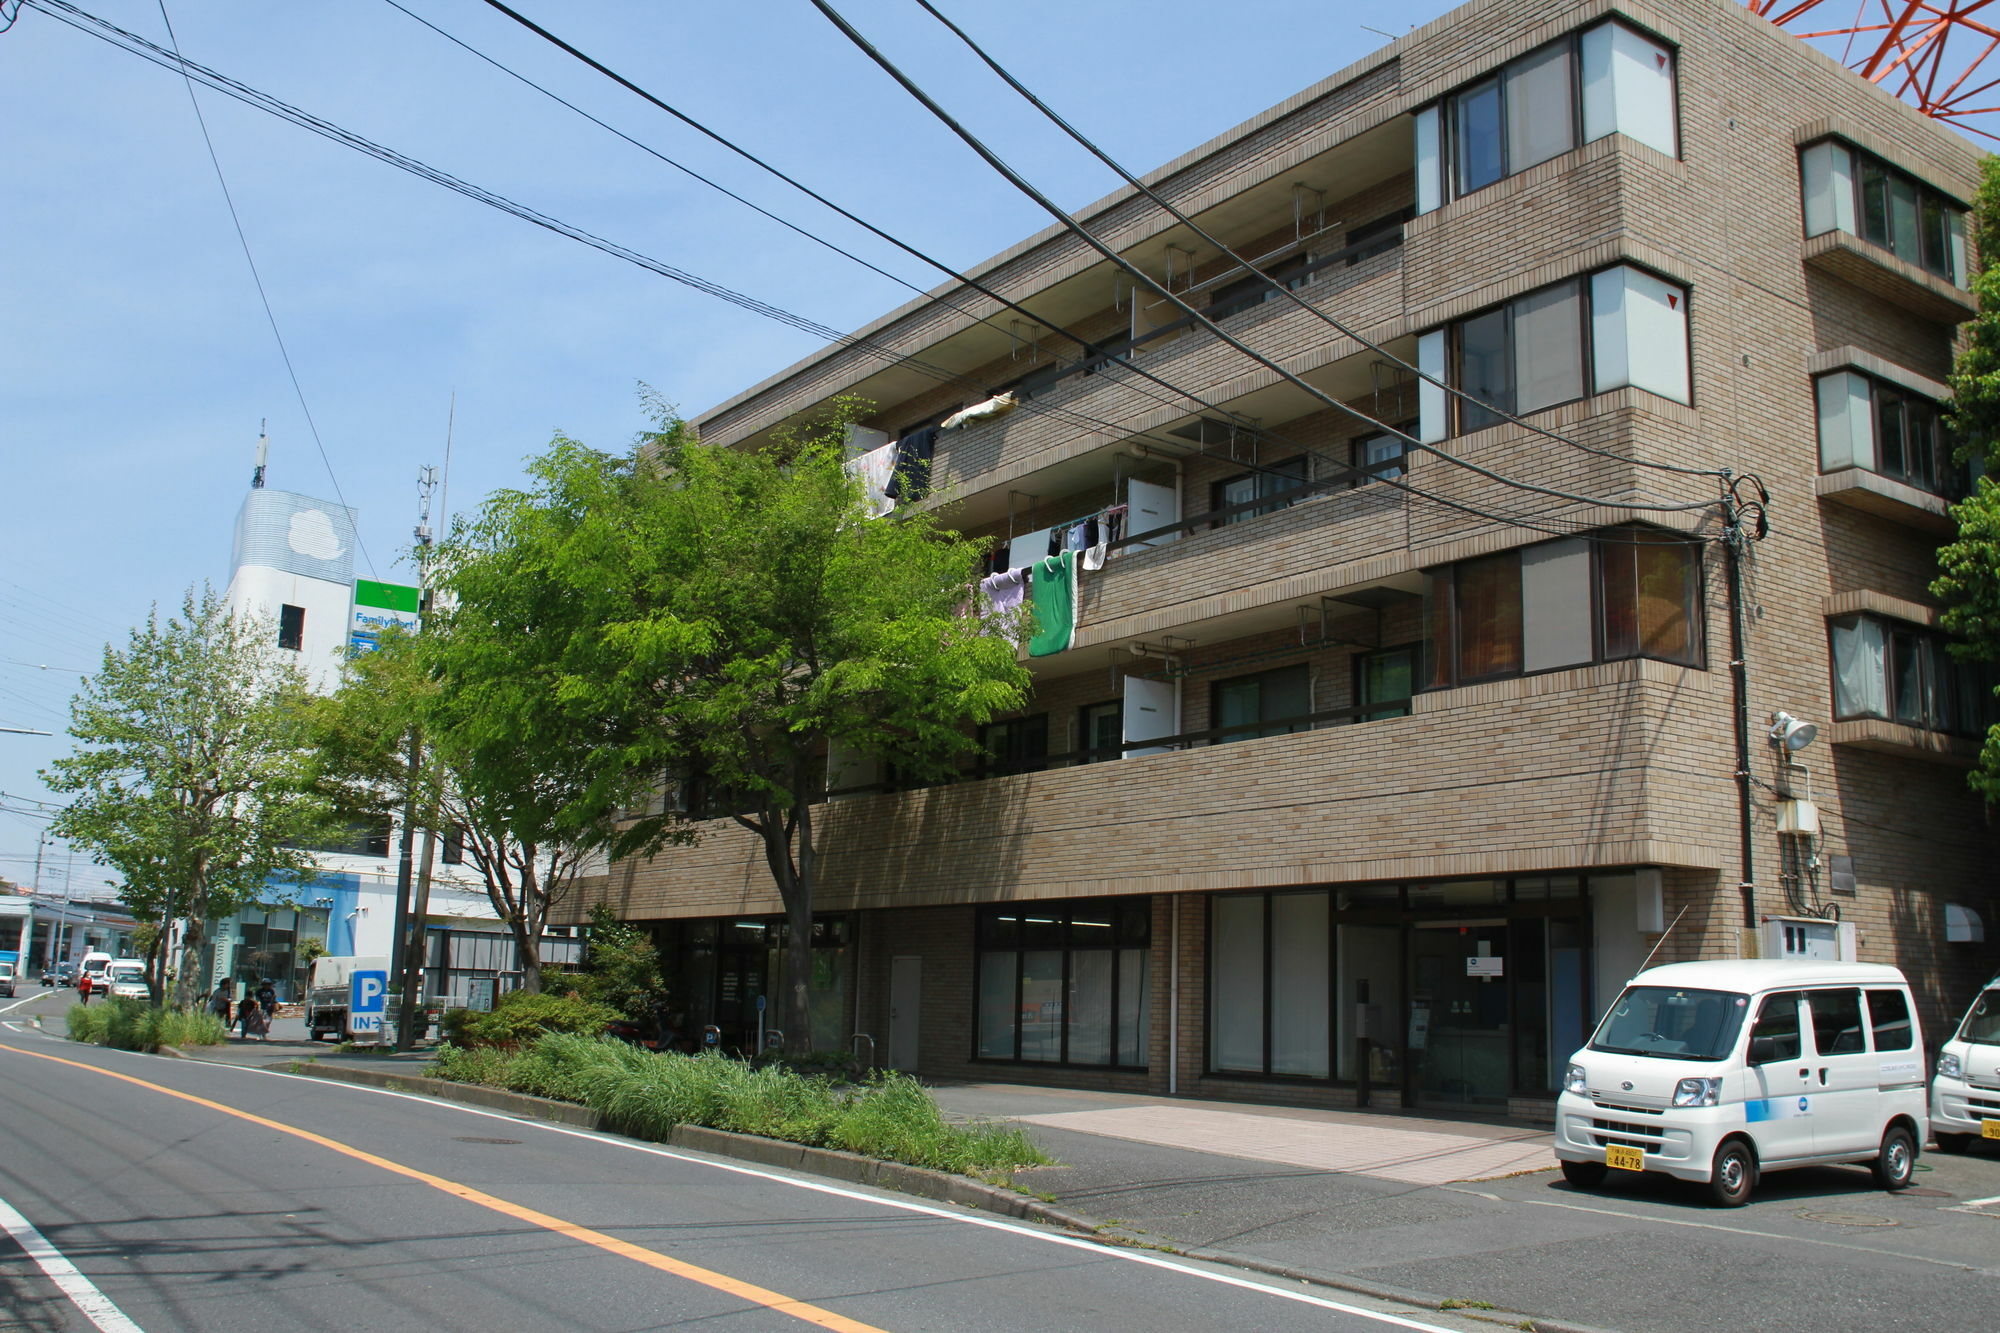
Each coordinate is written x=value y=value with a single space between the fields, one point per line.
x=367 y=997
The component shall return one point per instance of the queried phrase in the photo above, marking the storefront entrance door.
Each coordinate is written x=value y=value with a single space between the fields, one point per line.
x=1459 y=1019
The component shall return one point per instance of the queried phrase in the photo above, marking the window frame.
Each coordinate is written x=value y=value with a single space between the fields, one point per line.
x=1216 y=687
x=1944 y=681
x=1015 y=759
x=1925 y=194
x=1951 y=479
x=291 y=627
x=1450 y=133
x=1085 y=750
x=1361 y=660
x=1124 y=912
x=1400 y=433
x=1265 y=475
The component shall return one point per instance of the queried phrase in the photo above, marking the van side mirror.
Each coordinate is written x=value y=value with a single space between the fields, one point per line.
x=1763 y=1050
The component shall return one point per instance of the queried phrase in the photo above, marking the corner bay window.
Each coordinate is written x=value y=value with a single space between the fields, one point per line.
x=1871 y=424
x=1064 y=982
x=1577 y=89
x=1845 y=189
x=1904 y=673
x=1616 y=328
x=1626 y=592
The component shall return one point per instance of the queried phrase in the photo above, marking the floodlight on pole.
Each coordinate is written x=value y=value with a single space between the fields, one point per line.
x=1790 y=734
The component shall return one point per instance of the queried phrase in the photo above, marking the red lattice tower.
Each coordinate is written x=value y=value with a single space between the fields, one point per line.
x=1934 y=54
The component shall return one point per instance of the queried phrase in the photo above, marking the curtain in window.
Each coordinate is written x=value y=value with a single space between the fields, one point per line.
x=1301 y=981
x=1540 y=119
x=1489 y=616
x=1236 y=1001
x=1860 y=675
x=1548 y=347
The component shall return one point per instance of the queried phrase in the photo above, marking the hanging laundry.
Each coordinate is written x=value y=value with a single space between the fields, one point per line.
x=876 y=469
x=1007 y=590
x=1054 y=594
x=1093 y=559
x=1080 y=536
x=911 y=479
x=997 y=406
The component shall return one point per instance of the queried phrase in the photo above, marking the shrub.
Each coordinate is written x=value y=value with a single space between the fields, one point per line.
x=892 y=1116
x=132 y=1025
x=519 y=1017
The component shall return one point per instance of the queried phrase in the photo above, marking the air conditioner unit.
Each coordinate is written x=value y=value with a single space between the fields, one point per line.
x=1808 y=938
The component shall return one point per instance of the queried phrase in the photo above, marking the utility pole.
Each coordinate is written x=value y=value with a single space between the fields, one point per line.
x=407 y=961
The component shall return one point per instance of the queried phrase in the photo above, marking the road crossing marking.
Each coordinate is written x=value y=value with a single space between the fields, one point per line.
x=98 y=1308
x=707 y=1277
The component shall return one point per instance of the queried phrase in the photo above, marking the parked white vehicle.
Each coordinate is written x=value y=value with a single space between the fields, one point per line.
x=125 y=978
x=1965 y=1095
x=327 y=989
x=1717 y=1072
x=92 y=965
x=7 y=979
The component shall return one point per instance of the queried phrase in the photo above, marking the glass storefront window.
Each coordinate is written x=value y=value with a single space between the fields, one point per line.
x=1055 y=987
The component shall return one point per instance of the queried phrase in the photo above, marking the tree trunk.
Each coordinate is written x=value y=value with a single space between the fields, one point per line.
x=191 y=941
x=798 y=956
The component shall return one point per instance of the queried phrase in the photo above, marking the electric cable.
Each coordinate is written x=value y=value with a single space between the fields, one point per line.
x=1281 y=289
x=132 y=43
x=1090 y=347
x=1069 y=223
x=244 y=240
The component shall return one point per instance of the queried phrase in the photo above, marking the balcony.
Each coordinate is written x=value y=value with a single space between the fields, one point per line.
x=1874 y=270
x=1885 y=497
x=1904 y=741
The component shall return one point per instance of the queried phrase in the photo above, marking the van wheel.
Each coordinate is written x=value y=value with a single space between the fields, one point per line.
x=1585 y=1175
x=1954 y=1143
x=1732 y=1175
x=1896 y=1164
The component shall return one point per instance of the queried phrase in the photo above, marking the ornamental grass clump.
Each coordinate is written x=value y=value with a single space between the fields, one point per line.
x=131 y=1025
x=890 y=1116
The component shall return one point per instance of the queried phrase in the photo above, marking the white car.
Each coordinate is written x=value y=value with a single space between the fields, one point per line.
x=125 y=979
x=1965 y=1095
x=7 y=980
x=1717 y=1072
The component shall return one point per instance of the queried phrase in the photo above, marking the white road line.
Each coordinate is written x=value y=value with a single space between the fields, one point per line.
x=96 y=1306
x=1740 y=1231
x=8 y=1008
x=994 y=1224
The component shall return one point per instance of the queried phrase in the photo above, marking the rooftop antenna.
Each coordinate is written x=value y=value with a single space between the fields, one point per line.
x=263 y=453
x=427 y=480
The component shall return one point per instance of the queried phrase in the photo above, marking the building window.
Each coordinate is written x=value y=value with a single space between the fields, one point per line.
x=1267 y=484
x=1619 y=327
x=1064 y=982
x=361 y=837
x=291 y=627
x=1383 y=452
x=454 y=845
x=1871 y=424
x=1845 y=189
x=1384 y=680
x=1378 y=237
x=1899 y=672
x=1607 y=80
x=1018 y=745
x=1101 y=732
x=1271 y=984
x=1626 y=592
x=1233 y=298
x=1267 y=697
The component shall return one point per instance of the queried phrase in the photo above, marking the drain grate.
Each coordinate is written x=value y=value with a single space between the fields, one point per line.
x=1847 y=1219
x=466 y=1138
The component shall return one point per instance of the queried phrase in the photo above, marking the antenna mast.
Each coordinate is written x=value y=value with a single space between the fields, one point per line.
x=263 y=453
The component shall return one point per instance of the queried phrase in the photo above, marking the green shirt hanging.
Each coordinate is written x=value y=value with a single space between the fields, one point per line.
x=1054 y=592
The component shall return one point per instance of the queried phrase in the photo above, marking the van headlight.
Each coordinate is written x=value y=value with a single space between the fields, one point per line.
x=1697 y=1091
x=1950 y=1067
x=1573 y=1081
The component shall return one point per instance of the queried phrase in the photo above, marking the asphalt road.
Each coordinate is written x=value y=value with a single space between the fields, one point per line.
x=204 y=1197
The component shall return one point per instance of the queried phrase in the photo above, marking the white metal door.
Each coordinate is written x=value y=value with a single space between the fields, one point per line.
x=1151 y=507
x=906 y=988
x=1151 y=711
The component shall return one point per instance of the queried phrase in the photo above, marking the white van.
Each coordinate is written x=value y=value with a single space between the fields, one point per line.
x=1965 y=1095
x=1715 y=1072
x=92 y=965
x=125 y=978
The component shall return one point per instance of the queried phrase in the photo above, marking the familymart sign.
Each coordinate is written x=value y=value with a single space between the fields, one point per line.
x=377 y=606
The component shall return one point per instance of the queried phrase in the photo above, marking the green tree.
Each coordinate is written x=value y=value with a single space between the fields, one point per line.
x=621 y=968
x=193 y=774
x=725 y=616
x=1968 y=582
x=506 y=791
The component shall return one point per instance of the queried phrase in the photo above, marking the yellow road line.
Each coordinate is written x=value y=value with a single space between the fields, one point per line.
x=707 y=1277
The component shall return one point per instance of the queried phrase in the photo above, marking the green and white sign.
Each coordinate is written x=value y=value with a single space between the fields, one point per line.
x=377 y=605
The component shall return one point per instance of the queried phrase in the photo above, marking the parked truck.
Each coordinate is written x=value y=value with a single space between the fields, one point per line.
x=327 y=990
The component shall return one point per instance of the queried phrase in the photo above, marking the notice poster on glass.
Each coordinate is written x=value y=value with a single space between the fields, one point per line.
x=479 y=994
x=1485 y=966
x=1420 y=1026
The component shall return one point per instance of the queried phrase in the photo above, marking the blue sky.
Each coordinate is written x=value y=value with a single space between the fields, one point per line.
x=138 y=363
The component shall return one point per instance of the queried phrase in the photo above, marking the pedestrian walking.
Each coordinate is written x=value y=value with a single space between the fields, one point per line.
x=251 y=1015
x=219 y=1003
x=267 y=1000
x=83 y=988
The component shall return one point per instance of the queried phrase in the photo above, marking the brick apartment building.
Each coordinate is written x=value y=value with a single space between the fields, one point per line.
x=1381 y=782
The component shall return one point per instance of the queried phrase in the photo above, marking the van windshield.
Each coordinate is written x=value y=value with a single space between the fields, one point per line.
x=127 y=973
x=1982 y=1022
x=1672 y=1024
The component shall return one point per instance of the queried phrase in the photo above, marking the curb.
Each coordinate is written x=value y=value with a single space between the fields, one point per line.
x=922 y=1182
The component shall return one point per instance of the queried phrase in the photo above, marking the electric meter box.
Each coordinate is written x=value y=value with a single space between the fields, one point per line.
x=1808 y=938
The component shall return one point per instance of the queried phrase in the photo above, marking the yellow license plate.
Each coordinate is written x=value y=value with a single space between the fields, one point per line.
x=1634 y=1159
x=1989 y=1129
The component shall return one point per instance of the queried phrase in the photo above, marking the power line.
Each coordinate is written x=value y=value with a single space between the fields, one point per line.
x=1063 y=219
x=1089 y=347
x=283 y=352
x=1282 y=289
x=137 y=45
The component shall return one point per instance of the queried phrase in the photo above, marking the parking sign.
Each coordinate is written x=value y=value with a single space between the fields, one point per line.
x=367 y=997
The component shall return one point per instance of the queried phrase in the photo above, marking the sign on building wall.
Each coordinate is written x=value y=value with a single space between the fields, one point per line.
x=376 y=606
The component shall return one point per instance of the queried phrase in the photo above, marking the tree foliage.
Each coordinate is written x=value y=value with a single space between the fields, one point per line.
x=194 y=777
x=1968 y=582
x=723 y=616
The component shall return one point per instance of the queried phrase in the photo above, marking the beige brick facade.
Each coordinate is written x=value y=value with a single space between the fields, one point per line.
x=1595 y=768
